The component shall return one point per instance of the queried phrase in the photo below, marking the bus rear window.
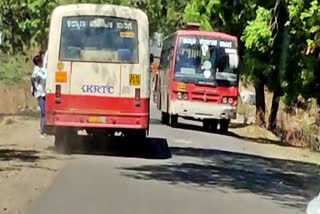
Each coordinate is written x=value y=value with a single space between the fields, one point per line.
x=99 y=39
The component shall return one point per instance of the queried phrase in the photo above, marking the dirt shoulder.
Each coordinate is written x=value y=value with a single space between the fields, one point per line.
x=28 y=164
x=272 y=145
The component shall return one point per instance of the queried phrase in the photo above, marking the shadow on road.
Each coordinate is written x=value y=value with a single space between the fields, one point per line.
x=151 y=148
x=20 y=159
x=259 y=140
x=231 y=134
x=27 y=113
x=22 y=155
x=287 y=182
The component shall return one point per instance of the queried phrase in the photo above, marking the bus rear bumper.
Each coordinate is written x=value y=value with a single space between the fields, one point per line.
x=83 y=121
x=201 y=111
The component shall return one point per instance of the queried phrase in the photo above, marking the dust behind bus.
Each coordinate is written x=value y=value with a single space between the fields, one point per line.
x=98 y=71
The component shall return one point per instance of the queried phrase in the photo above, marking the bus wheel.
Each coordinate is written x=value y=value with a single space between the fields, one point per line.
x=136 y=135
x=206 y=125
x=224 y=126
x=64 y=140
x=174 y=120
x=210 y=125
x=165 y=118
x=214 y=125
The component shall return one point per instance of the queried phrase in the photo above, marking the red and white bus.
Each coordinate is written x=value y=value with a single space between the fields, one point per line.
x=98 y=71
x=198 y=78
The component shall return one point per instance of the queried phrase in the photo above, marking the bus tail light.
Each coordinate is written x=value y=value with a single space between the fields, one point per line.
x=137 y=97
x=225 y=100
x=228 y=100
x=58 y=94
x=185 y=96
x=182 y=96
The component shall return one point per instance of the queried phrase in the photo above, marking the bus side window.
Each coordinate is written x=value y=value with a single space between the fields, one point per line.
x=163 y=59
x=166 y=58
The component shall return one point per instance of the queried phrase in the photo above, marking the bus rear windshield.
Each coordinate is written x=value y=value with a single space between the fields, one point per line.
x=99 y=39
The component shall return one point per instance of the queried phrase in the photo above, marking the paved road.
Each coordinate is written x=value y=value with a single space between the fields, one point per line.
x=208 y=173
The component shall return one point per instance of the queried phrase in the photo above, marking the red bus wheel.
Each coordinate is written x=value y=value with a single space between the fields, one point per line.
x=210 y=125
x=136 y=135
x=165 y=118
x=224 y=126
x=174 y=120
x=206 y=125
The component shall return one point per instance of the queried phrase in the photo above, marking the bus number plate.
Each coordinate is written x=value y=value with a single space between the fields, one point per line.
x=135 y=79
x=182 y=87
x=97 y=120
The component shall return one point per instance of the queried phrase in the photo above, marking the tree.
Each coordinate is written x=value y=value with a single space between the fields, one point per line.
x=23 y=23
x=258 y=40
x=305 y=31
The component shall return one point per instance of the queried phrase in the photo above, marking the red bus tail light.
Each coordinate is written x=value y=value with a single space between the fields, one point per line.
x=185 y=96
x=229 y=100
x=58 y=93
x=182 y=96
x=225 y=100
x=137 y=97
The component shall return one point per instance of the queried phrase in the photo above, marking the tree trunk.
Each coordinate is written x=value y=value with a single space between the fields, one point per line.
x=316 y=81
x=260 y=104
x=283 y=41
x=272 y=123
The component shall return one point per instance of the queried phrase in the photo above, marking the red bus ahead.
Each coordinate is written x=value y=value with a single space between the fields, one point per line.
x=198 y=79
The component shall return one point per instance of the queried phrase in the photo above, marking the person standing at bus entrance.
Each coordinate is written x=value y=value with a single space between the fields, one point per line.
x=39 y=77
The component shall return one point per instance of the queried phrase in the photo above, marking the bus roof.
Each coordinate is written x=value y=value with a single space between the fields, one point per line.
x=100 y=9
x=205 y=34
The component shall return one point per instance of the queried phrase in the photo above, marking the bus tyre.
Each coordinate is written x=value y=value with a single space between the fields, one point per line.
x=206 y=125
x=137 y=135
x=214 y=125
x=210 y=125
x=174 y=120
x=63 y=141
x=224 y=126
x=165 y=118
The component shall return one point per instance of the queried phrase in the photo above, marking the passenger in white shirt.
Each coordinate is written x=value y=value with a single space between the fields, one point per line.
x=39 y=77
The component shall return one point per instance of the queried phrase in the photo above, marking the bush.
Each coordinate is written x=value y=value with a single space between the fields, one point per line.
x=11 y=69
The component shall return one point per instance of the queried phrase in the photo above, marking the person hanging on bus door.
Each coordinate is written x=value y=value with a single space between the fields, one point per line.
x=39 y=77
x=44 y=58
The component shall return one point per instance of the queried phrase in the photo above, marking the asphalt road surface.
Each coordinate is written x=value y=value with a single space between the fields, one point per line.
x=207 y=173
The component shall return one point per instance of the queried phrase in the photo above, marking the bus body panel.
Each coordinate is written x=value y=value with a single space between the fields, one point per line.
x=76 y=110
x=200 y=111
x=204 y=102
x=100 y=79
x=98 y=89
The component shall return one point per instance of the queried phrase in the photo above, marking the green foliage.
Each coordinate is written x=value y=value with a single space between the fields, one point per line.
x=304 y=25
x=24 y=22
x=202 y=11
x=258 y=35
x=11 y=69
